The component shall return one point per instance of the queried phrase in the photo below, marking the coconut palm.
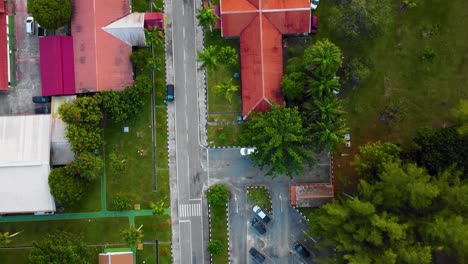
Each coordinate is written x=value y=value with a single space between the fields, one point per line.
x=328 y=110
x=329 y=134
x=226 y=88
x=323 y=87
x=207 y=57
x=207 y=18
x=323 y=59
x=5 y=237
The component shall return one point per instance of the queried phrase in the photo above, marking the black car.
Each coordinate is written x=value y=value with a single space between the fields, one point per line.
x=42 y=110
x=257 y=255
x=170 y=93
x=41 y=99
x=301 y=250
x=258 y=226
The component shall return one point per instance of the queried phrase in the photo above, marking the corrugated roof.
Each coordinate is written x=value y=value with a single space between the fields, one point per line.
x=24 y=164
x=311 y=195
x=101 y=60
x=129 y=29
x=260 y=25
x=4 y=55
x=116 y=258
x=57 y=65
x=154 y=19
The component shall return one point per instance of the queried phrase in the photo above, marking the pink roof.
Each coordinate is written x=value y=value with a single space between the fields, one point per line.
x=260 y=25
x=154 y=19
x=102 y=61
x=3 y=51
x=57 y=67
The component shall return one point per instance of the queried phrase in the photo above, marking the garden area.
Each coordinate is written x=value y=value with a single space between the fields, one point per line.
x=218 y=196
x=259 y=195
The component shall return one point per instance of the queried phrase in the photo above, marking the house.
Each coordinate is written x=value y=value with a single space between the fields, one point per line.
x=116 y=256
x=260 y=25
x=24 y=164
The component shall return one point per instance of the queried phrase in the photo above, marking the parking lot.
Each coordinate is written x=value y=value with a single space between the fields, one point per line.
x=17 y=100
x=286 y=227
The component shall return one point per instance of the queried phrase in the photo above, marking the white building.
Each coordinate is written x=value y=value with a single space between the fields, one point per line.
x=24 y=164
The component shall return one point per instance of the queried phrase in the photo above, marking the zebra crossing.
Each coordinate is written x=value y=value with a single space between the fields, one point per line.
x=187 y=210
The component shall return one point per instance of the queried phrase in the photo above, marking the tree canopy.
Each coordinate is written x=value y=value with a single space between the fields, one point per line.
x=207 y=58
x=87 y=165
x=293 y=85
x=280 y=139
x=50 y=14
x=215 y=247
x=460 y=113
x=323 y=58
x=58 y=248
x=207 y=18
x=66 y=187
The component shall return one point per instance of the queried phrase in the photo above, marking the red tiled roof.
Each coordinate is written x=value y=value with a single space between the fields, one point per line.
x=57 y=66
x=260 y=25
x=116 y=258
x=101 y=60
x=154 y=19
x=3 y=51
x=311 y=195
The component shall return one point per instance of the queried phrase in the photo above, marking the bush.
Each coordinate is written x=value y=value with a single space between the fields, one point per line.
x=215 y=247
x=355 y=72
x=139 y=60
x=228 y=56
x=84 y=139
x=218 y=194
x=50 y=14
x=121 y=203
x=117 y=164
x=65 y=187
x=87 y=165
x=60 y=247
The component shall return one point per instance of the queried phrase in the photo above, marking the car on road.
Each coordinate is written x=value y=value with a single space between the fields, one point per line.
x=41 y=99
x=301 y=250
x=30 y=25
x=258 y=226
x=261 y=214
x=259 y=258
x=170 y=93
x=314 y=4
x=247 y=151
x=42 y=110
x=313 y=25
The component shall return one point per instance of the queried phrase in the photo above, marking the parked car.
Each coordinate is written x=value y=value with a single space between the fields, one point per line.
x=314 y=4
x=41 y=99
x=261 y=214
x=170 y=93
x=259 y=258
x=41 y=32
x=247 y=151
x=313 y=25
x=42 y=110
x=30 y=25
x=301 y=250
x=258 y=226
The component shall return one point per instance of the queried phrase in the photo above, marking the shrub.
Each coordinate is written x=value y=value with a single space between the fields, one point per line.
x=65 y=187
x=117 y=164
x=215 y=247
x=121 y=203
x=87 y=165
x=84 y=139
x=218 y=194
x=228 y=56
x=139 y=60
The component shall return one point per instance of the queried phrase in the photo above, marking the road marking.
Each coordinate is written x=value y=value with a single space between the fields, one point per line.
x=191 y=209
x=183 y=35
x=237 y=206
x=281 y=203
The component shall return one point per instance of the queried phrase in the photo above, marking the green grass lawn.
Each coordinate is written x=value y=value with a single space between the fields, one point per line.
x=91 y=201
x=147 y=255
x=155 y=227
x=165 y=256
x=224 y=135
x=260 y=197
x=422 y=91
x=141 y=5
x=161 y=138
x=14 y=256
x=93 y=230
x=219 y=232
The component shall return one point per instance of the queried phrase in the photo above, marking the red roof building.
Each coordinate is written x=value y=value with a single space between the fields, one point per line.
x=57 y=67
x=4 y=51
x=260 y=25
x=154 y=19
x=101 y=60
x=311 y=195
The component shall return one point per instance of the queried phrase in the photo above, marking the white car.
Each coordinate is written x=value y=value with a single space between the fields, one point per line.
x=30 y=25
x=247 y=151
x=314 y=4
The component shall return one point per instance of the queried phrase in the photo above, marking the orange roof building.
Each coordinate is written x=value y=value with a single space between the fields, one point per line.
x=101 y=60
x=116 y=258
x=260 y=25
x=311 y=195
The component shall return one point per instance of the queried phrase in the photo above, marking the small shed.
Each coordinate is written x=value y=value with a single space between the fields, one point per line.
x=311 y=195
x=154 y=19
x=57 y=65
x=116 y=256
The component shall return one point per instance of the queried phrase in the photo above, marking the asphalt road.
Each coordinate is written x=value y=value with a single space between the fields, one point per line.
x=189 y=154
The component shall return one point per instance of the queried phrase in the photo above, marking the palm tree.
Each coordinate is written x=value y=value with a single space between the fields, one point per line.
x=5 y=237
x=328 y=110
x=207 y=58
x=323 y=59
x=207 y=18
x=226 y=88
x=323 y=87
x=329 y=134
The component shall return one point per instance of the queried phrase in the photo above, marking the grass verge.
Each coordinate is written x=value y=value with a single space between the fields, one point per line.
x=224 y=135
x=165 y=256
x=156 y=227
x=260 y=196
x=219 y=232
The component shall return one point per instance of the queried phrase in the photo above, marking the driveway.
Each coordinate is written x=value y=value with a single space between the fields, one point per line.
x=227 y=166
x=17 y=101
